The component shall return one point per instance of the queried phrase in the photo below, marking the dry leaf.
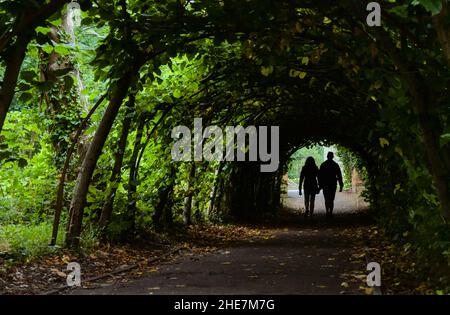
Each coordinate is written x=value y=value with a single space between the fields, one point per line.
x=59 y=273
x=369 y=291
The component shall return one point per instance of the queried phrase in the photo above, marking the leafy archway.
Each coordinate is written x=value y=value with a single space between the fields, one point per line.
x=316 y=70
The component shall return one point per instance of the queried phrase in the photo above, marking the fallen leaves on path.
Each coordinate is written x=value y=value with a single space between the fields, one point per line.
x=46 y=273
x=399 y=274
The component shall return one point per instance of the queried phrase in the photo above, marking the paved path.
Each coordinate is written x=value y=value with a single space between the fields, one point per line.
x=344 y=202
x=301 y=257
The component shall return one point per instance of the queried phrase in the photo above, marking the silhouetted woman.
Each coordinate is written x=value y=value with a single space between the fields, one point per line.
x=309 y=175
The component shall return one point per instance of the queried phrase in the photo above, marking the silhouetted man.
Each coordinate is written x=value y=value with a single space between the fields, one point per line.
x=329 y=175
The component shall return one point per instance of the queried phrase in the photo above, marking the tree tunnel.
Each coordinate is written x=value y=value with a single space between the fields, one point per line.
x=315 y=82
x=315 y=69
x=248 y=191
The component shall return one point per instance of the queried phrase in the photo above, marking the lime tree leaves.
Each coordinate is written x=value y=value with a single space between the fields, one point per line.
x=176 y=80
x=295 y=73
x=383 y=142
x=266 y=71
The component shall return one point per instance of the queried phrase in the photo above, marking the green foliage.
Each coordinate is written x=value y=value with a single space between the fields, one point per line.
x=298 y=159
x=19 y=242
x=349 y=162
x=28 y=177
x=434 y=6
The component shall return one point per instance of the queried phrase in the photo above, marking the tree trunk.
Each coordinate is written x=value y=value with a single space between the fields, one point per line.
x=119 y=92
x=149 y=137
x=242 y=196
x=213 y=194
x=187 y=209
x=439 y=169
x=62 y=100
x=107 y=208
x=442 y=27
x=132 y=180
x=23 y=32
x=26 y=23
x=163 y=211
x=14 y=61
x=168 y=211
x=62 y=179
x=68 y=27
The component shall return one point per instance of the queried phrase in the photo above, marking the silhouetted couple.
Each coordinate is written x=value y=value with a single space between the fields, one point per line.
x=315 y=179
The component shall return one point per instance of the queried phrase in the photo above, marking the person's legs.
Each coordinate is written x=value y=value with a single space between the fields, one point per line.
x=307 y=204
x=328 y=193
x=332 y=196
x=325 y=196
x=311 y=203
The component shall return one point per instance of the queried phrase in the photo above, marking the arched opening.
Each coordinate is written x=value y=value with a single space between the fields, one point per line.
x=353 y=174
